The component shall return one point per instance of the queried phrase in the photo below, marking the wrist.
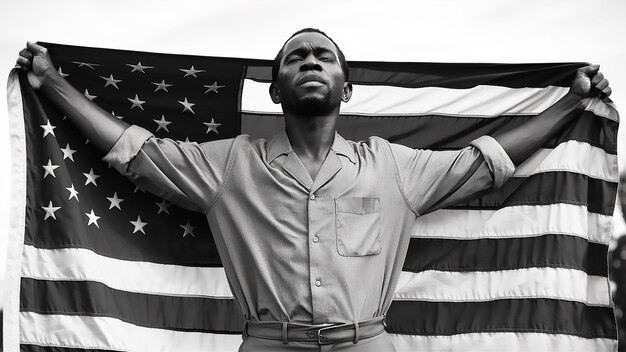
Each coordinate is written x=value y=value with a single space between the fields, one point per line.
x=50 y=77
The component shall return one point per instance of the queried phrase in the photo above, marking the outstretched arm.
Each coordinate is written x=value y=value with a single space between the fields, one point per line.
x=187 y=174
x=522 y=142
x=99 y=126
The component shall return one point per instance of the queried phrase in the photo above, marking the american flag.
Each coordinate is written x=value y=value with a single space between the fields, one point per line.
x=96 y=263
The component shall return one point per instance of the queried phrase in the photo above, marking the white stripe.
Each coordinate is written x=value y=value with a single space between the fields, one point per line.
x=555 y=283
x=113 y=334
x=604 y=109
x=141 y=277
x=17 y=211
x=572 y=156
x=502 y=341
x=515 y=222
x=81 y=264
x=480 y=101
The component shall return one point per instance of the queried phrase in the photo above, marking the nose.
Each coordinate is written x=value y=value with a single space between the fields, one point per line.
x=309 y=63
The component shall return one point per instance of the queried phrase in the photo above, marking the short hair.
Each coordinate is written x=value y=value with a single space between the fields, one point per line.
x=279 y=56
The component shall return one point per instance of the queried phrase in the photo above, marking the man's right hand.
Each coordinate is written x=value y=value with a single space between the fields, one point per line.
x=35 y=60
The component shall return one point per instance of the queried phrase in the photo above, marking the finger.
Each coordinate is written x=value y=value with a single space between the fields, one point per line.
x=602 y=84
x=597 y=78
x=26 y=54
x=588 y=71
x=607 y=92
x=35 y=48
x=23 y=62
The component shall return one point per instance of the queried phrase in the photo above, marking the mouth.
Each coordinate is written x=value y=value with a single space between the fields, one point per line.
x=311 y=80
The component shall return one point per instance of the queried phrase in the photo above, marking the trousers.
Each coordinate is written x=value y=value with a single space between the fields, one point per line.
x=380 y=343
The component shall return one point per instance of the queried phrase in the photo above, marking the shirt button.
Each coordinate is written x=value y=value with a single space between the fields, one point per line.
x=312 y=197
x=318 y=283
x=316 y=239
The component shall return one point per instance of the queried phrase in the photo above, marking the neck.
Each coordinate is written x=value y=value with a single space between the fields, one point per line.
x=311 y=137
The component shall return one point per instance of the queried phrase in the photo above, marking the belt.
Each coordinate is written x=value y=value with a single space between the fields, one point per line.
x=323 y=334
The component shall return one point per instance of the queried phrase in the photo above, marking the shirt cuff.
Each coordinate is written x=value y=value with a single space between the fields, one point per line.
x=126 y=147
x=496 y=158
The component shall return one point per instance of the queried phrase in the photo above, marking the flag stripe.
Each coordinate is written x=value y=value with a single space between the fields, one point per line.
x=447 y=74
x=36 y=348
x=571 y=156
x=531 y=315
x=154 y=311
x=440 y=132
x=560 y=251
x=159 y=279
x=112 y=334
x=480 y=101
x=549 y=188
x=555 y=283
x=95 y=299
x=494 y=342
x=76 y=264
x=515 y=222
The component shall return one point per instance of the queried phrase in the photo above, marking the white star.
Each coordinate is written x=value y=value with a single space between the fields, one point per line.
x=48 y=128
x=162 y=123
x=111 y=81
x=212 y=126
x=91 y=178
x=50 y=209
x=49 y=169
x=163 y=206
x=61 y=73
x=187 y=106
x=115 y=202
x=188 y=229
x=138 y=225
x=139 y=67
x=161 y=86
x=93 y=218
x=212 y=88
x=191 y=72
x=119 y=117
x=73 y=193
x=137 y=102
x=81 y=64
x=89 y=96
x=67 y=152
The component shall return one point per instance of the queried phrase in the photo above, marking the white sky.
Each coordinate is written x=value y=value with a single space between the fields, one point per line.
x=412 y=30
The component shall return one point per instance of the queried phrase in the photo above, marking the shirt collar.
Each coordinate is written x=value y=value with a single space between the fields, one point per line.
x=280 y=145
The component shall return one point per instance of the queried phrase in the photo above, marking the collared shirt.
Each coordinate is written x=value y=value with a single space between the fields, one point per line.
x=295 y=248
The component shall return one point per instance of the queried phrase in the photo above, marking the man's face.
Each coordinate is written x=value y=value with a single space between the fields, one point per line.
x=310 y=80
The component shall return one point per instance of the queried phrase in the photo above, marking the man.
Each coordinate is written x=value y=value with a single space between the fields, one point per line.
x=296 y=219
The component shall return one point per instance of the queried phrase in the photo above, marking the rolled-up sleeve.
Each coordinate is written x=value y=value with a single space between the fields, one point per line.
x=189 y=175
x=430 y=180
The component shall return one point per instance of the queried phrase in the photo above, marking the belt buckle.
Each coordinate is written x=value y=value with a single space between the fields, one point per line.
x=319 y=334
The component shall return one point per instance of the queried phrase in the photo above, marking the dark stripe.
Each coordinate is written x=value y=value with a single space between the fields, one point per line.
x=35 y=348
x=403 y=74
x=554 y=251
x=507 y=315
x=152 y=311
x=441 y=132
x=550 y=188
x=460 y=76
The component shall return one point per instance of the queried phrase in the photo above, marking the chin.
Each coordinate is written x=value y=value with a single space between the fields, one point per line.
x=313 y=106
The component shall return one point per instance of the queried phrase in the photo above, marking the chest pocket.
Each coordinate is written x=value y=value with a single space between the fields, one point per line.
x=358 y=226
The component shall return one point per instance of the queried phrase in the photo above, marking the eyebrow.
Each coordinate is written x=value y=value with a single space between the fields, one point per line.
x=303 y=49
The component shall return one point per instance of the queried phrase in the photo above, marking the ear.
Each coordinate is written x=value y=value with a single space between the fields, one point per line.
x=347 y=92
x=274 y=94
